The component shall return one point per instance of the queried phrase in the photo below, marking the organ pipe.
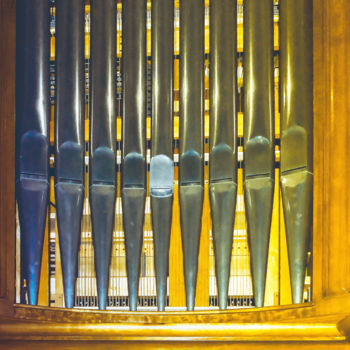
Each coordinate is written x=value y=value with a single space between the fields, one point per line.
x=296 y=134
x=222 y=161
x=258 y=136
x=162 y=165
x=33 y=144
x=102 y=179
x=191 y=188
x=134 y=138
x=70 y=142
x=32 y=134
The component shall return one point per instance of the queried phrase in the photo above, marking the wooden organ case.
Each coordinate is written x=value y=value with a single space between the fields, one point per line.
x=322 y=322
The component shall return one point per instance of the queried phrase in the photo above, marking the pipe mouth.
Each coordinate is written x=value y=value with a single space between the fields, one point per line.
x=161 y=181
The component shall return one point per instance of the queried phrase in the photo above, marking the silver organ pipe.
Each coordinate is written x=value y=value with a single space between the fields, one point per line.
x=145 y=85
x=162 y=165
x=191 y=177
x=259 y=148
x=223 y=132
x=297 y=134
x=102 y=179
x=134 y=139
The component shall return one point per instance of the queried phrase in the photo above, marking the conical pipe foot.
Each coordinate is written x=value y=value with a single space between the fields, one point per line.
x=162 y=208
x=258 y=193
x=133 y=200
x=297 y=207
x=102 y=202
x=223 y=205
x=32 y=208
x=69 y=206
x=191 y=206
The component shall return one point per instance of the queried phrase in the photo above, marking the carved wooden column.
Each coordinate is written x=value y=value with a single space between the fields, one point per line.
x=331 y=148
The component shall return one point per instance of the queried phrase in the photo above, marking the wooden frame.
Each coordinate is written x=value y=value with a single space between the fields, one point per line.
x=326 y=319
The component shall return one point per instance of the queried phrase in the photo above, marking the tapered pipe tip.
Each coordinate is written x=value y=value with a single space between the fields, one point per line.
x=32 y=207
x=161 y=223
x=222 y=203
x=102 y=202
x=102 y=301
x=133 y=200
x=258 y=193
x=297 y=207
x=133 y=302
x=32 y=291
x=190 y=299
x=69 y=206
x=69 y=291
x=191 y=205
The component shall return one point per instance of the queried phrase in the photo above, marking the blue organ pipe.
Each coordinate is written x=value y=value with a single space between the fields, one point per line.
x=102 y=178
x=32 y=134
x=70 y=143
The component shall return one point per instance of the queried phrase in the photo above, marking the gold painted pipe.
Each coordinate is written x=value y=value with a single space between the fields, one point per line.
x=296 y=69
x=258 y=136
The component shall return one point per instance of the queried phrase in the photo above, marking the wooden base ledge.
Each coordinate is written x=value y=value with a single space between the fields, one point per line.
x=10 y=330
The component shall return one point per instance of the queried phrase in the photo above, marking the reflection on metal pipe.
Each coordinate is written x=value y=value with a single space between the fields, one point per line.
x=32 y=134
x=134 y=139
x=296 y=134
x=102 y=138
x=191 y=138
x=223 y=164
x=258 y=136
x=162 y=165
x=70 y=106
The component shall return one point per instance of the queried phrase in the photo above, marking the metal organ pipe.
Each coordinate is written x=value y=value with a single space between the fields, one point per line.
x=134 y=138
x=259 y=148
x=32 y=134
x=70 y=141
x=102 y=179
x=223 y=157
x=296 y=70
x=162 y=165
x=191 y=179
x=33 y=141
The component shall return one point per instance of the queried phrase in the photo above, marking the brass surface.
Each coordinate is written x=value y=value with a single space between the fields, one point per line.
x=181 y=344
x=185 y=331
